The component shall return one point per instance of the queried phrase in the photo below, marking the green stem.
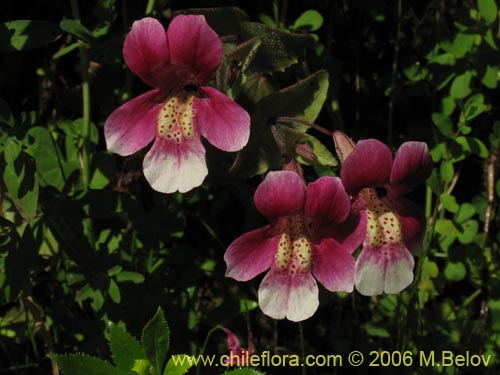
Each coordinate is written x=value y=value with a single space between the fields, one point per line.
x=85 y=152
x=84 y=64
x=205 y=343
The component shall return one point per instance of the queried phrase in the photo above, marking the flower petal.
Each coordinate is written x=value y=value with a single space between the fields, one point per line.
x=170 y=166
x=233 y=344
x=281 y=193
x=327 y=202
x=251 y=254
x=194 y=45
x=386 y=269
x=221 y=120
x=413 y=221
x=333 y=266
x=412 y=166
x=146 y=50
x=369 y=165
x=294 y=297
x=132 y=126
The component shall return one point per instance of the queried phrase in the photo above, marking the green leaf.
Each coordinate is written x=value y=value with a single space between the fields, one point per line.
x=26 y=34
x=449 y=202
x=455 y=271
x=114 y=291
x=462 y=44
x=490 y=77
x=81 y=364
x=302 y=100
x=224 y=20
x=465 y=212
x=267 y=20
x=279 y=49
x=460 y=87
x=134 y=277
x=142 y=367
x=124 y=348
x=75 y=28
x=178 y=364
x=292 y=139
x=48 y=157
x=447 y=59
x=448 y=106
x=473 y=145
x=447 y=228
x=155 y=340
x=6 y=117
x=244 y=371
x=310 y=20
x=447 y=171
x=488 y=10
x=377 y=331
x=443 y=123
x=469 y=231
x=20 y=178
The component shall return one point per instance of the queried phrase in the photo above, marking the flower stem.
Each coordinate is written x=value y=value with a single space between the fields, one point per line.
x=283 y=119
x=85 y=152
x=205 y=343
x=84 y=66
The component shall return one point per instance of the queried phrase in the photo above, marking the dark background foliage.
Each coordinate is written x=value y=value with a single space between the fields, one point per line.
x=84 y=240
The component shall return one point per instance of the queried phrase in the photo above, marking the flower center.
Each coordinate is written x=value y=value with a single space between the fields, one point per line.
x=175 y=120
x=294 y=250
x=383 y=226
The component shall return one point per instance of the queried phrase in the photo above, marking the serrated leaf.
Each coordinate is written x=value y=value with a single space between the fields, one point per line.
x=26 y=34
x=461 y=85
x=125 y=349
x=80 y=364
x=156 y=340
x=488 y=10
x=302 y=100
x=178 y=364
x=142 y=367
x=224 y=20
x=244 y=371
x=279 y=49
x=310 y=20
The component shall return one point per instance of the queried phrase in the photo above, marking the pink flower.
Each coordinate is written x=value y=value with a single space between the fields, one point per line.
x=179 y=109
x=390 y=225
x=296 y=246
x=238 y=356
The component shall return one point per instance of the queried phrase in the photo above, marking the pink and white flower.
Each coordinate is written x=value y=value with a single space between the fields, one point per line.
x=390 y=225
x=239 y=356
x=297 y=247
x=177 y=64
